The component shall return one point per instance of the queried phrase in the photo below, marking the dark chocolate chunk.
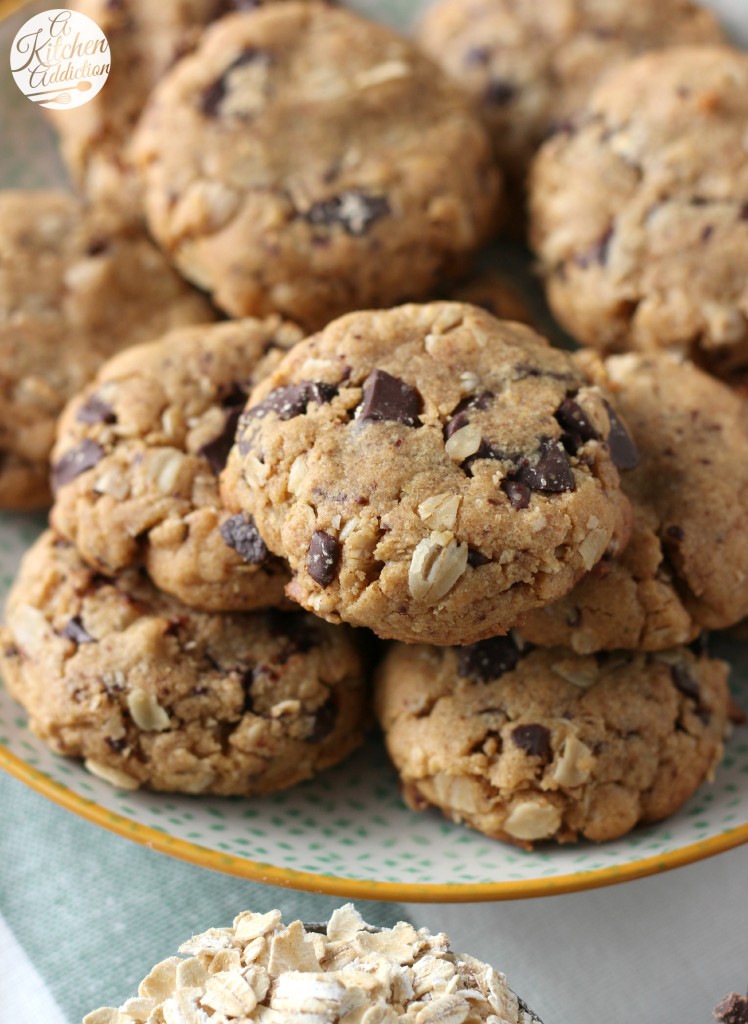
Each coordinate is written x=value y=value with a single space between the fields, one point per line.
x=733 y=1009
x=456 y=423
x=518 y=494
x=324 y=721
x=241 y=534
x=578 y=429
x=322 y=558
x=76 y=461
x=355 y=211
x=213 y=95
x=622 y=448
x=551 y=474
x=97 y=247
x=488 y=659
x=293 y=400
x=477 y=558
x=685 y=682
x=499 y=92
x=217 y=450
x=389 y=398
x=77 y=632
x=486 y=450
x=535 y=740
x=95 y=410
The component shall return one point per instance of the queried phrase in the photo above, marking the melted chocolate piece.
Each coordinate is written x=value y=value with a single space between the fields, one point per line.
x=551 y=474
x=577 y=427
x=488 y=659
x=389 y=398
x=458 y=416
x=476 y=558
x=623 y=451
x=685 y=682
x=325 y=718
x=355 y=211
x=95 y=410
x=76 y=461
x=518 y=494
x=293 y=400
x=241 y=534
x=322 y=558
x=535 y=740
x=213 y=95
x=77 y=632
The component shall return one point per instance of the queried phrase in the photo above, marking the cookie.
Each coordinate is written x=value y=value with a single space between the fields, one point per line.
x=137 y=460
x=530 y=65
x=145 y=39
x=263 y=970
x=686 y=565
x=151 y=693
x=544 y=744
x=76 y=286
x=308 y=162
x=639 y=212
x=430 y=472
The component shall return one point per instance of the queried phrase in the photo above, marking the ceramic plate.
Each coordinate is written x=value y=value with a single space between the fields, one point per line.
x=346 y=832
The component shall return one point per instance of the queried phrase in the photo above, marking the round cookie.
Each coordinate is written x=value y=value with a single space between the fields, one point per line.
x=151 y=693
x=430 y=472
x=263 y=970
x=530 y=65
x=138 y=455
x=145 y=39
x=363 y=175
x=549 y=745
x=686 y=565
x=639 y=212
x=76 y=286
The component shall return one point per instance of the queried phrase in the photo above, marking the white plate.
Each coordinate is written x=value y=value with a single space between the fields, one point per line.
x=346 y=832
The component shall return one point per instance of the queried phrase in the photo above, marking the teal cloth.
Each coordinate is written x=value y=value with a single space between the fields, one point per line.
x=94 y=911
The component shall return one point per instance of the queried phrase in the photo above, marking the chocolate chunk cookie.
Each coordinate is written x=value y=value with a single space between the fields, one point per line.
x=151 y=693
x=138 y=455
x=306 y=161
x=686 y=565
x=145 y=39
x=549 y=745
x=430 y=472
x=640 y=212
x=530 y=65
x=76 y=286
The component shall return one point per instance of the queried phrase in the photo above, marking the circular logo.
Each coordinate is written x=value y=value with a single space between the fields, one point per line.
x=60 y=59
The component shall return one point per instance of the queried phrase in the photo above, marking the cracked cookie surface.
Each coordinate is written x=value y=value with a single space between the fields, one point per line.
x=76 y=286
x=304 y=133
x=430 y=472
x=544 y=744
x=640 y=210
x=530 y=65
x=152 y=693
x=138 y=455
x=686 y=566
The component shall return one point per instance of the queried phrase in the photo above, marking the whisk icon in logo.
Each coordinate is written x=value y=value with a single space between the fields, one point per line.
x=60 y=59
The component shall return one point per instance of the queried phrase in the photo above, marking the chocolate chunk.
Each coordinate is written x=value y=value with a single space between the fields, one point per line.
x=77 y=632
x=477 y=558
x=355 y=211
x=486 y=450
x=213 y=95
x=389 y=398
x=518 y=494
x=733 y=1009
x=84 y=456
x=95 y=410
x=217 y=450
x=322 y=558
x=324 y=721
x=456 y=423
x=578 y=429
x=488 y=659
x=536 y=371
x=685 y=682
x=551 y=474
x=535 y=740
x=622 y=449
x=241 y=534
x=293 y=400
x=97 y=247
x=499 y=92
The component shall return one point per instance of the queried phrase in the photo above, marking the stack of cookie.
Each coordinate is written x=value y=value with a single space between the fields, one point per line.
x=539 y=535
